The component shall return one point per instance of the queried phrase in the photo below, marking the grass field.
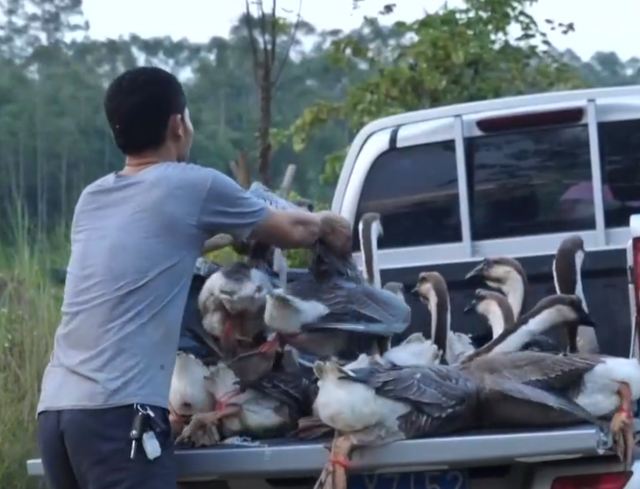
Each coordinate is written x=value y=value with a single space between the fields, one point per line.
x=29 y=314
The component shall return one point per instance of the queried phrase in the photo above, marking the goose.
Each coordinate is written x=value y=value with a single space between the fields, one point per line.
x=567 y=278
x=432 y=290
x=552 y=312
x=380 y=404
x=335 y=302
x=415 y=350
x=238 y=412
x=602 y=385
x=232 y=301
x=507 y=275
x=496 y=309
x=188 y=394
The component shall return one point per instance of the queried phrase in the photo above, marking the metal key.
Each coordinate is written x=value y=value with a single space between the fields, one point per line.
x=137 y=429
x=154 y=423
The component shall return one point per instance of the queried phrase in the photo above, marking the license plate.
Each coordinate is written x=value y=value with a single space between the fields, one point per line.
x=446 y=479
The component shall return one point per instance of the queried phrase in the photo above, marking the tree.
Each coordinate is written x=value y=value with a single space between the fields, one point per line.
x=452 y=55
x=265 y=32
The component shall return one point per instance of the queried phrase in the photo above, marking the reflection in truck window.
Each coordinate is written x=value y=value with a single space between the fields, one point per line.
x=620 y=163
x=415 y=190
x=517 y=180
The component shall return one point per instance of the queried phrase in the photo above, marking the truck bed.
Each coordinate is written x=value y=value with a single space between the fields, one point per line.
x=278 y=458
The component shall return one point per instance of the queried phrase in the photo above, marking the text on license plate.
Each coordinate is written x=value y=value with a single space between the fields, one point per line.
x=446 y=479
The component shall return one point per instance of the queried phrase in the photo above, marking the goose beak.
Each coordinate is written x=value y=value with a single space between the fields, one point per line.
x=470 y=307
x=415 y=292
x=476 y=272
x=586 y=320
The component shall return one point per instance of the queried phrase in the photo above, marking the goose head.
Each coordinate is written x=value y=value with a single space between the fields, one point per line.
x=505 y=274
x=286 y=313
x=239 y=287
x=555 y=311
x=395 y=288
x=414 y=350
x=432 y=290
x=495 y=308
x=330 y=370
x=370 y=230
x=222 y=380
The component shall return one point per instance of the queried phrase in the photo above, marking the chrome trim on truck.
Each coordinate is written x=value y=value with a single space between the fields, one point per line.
x=291 y=459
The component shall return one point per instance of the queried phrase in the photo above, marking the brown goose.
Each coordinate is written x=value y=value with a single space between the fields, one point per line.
x=556 y=311
x=432 y=290
x=602 y=385
x=507 y=275
x=567 y=278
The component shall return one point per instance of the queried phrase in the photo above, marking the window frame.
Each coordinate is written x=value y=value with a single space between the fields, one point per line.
x=597 y=110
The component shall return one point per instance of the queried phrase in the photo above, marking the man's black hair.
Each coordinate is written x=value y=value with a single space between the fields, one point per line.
x=138 y=105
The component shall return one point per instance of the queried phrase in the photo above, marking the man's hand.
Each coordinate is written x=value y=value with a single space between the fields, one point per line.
x=301 y=229
x=335 y=231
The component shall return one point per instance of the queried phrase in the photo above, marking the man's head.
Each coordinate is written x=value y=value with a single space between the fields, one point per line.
x=147 y=111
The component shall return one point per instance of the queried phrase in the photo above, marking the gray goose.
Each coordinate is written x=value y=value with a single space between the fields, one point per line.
x=332 y=304
x=567 y=278
x=380 y=404
x=232 y=303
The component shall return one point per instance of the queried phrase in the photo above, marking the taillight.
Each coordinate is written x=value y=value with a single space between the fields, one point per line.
x=636 y=270
x=636 y=288
x=531 y=120
x=614 y=480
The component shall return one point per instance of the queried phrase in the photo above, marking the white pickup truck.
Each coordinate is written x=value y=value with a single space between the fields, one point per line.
x=513 y=177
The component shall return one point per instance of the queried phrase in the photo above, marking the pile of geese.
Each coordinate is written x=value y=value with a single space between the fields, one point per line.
x=309 y=354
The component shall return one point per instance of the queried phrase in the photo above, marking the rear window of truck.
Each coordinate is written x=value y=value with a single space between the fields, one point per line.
x=521 y=183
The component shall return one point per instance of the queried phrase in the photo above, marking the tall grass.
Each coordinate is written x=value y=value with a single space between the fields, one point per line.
x=29 y=313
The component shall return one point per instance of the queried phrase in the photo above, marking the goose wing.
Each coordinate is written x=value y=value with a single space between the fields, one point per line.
x=542 y=343
x=531 y=394
x=435 y=390
x=547 y=371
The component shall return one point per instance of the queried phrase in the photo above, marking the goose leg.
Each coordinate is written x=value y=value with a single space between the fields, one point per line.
x=340 y=461
x=325 y=481
x=202 y=431
x=622 y=426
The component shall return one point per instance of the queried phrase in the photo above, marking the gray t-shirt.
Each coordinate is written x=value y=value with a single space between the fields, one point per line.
x=134 y=242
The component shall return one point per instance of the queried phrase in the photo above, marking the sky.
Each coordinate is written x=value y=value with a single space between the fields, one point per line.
x=597 y=28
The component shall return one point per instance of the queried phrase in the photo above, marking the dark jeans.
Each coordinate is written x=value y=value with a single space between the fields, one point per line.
x=90 y=449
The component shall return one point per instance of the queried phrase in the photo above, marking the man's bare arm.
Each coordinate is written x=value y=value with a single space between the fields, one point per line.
x=299 y=229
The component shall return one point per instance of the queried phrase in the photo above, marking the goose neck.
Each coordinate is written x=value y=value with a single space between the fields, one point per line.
x=515 y=290
x=369 y=247
x=440 y=320
x=514 y=339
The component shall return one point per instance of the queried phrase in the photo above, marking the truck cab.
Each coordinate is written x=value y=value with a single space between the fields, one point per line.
x=514 y=177
x=454 y=185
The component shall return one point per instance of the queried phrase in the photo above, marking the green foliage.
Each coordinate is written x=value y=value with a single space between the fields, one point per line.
x=452 y=55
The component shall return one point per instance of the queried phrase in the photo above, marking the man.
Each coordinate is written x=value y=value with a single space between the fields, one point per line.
x=135 y=237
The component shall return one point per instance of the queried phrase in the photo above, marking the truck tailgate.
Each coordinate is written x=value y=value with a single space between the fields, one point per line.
x=287 y=458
